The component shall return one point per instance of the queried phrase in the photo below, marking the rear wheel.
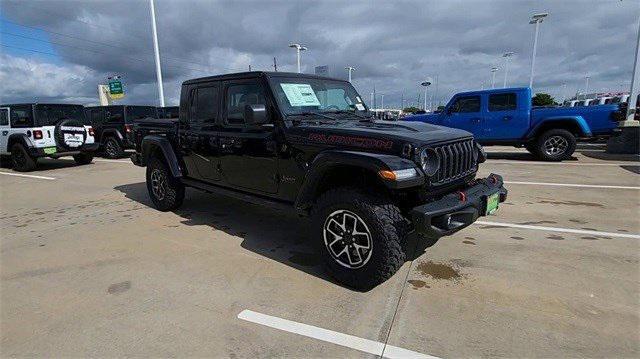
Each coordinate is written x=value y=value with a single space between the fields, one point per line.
x=166 y=192
x=112 y=148
x=83 y=158
x=555 y=145
x=361 y=238
x=21 y=159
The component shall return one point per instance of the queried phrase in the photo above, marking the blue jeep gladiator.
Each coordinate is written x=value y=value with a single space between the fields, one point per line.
x=507 y=117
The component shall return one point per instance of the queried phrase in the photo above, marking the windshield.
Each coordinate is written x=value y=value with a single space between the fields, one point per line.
x=50 y=115
x=297 y=95
x=138 y=112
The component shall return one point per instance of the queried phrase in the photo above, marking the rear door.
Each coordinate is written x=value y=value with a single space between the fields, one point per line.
x=199 y=134
x=4 y=130
x=506 y=117
x=465 y=113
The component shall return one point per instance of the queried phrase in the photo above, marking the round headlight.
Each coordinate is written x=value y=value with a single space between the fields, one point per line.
x=429 y=161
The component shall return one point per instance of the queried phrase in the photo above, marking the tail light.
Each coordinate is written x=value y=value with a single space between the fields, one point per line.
x=91 y=131
x=128 y=128
x=37 y=134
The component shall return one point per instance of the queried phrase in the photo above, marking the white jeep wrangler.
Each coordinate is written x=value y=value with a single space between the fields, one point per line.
x=31 y=131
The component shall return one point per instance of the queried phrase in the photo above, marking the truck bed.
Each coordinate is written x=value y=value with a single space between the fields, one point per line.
x=599 y=118
x=152 y=126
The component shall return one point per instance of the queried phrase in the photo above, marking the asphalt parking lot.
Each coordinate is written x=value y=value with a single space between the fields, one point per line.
x=88 y=268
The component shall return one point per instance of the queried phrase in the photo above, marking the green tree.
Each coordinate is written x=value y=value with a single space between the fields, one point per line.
x=543 y=99
x=411 y=109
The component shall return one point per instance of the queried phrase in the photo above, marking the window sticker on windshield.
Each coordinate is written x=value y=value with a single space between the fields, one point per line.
x=300 y=94
x=360 y=107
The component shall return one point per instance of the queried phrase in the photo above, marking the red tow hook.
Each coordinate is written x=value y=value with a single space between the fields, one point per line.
x=462 y=196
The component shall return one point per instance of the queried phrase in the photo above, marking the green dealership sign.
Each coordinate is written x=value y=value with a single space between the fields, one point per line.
x=115 y=87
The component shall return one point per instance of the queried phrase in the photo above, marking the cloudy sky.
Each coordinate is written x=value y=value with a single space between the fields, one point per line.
x=58 y=51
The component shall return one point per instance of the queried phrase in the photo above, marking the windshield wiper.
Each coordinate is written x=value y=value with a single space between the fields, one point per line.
x=312 y=113
x=363 y=118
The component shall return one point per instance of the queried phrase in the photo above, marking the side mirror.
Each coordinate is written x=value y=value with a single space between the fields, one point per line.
x=255 y=114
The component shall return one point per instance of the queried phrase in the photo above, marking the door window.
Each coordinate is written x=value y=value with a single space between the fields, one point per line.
x=205 y=105
x=466 y=104
x=4 y=117
x=240 y=95
x=502 y=102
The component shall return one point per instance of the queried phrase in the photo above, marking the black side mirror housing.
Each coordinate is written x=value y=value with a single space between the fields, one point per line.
x=255 y=115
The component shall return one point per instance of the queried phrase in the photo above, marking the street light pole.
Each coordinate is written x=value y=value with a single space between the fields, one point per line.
x=586 y=85
x=156 y=51
x=535 y=19
x=382 y=101
x=507 y=56
x=426 y=85
x=564 y=88
x=298 y=48
x=349 y=69
x=493 y=76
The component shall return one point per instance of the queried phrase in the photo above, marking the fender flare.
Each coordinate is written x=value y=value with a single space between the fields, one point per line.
x=374 y=162
x=110 y=132
x=151 y=142
x=19 y=138
x=577 y=120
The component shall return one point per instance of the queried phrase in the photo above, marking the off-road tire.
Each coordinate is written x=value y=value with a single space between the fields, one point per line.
x=83 y=158
x=21 y=159
x=173 y=190
x=112 y=148
x=567 y=139
x=388 y=229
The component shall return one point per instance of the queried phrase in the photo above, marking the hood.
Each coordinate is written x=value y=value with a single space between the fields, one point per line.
x=383 y=135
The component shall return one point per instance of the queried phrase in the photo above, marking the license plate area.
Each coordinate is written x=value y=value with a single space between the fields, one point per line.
x=50 y=150
x=492 y=203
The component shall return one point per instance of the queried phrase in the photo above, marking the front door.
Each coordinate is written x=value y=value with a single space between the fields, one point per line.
x=4 y=130
x=248 y=158
x=465 y=113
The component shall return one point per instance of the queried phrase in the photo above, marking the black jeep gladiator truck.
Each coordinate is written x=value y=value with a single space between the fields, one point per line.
x=310 y=144
x=113 y=126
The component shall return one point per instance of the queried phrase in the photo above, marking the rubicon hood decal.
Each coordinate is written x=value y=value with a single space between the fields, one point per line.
x=363 y=142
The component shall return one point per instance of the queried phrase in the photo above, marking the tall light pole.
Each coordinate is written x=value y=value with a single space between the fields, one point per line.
x=564 y=88
x=507 y=56
x=349 y=69
x=382 y=101
x=371 y=103
x=586 y=85
x=426 y=85
x=156 y=50
x=493 y=76
x=535 y=19
x=298 y=48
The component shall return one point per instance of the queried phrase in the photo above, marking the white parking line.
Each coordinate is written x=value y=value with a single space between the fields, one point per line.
x=501 y=162
x=557 y=229
x=570 y=185
x=326 y=335
x=28 y=176
x=108 y=160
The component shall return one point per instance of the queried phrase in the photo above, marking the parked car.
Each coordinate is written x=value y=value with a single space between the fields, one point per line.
x=113 y=126
x=308 y=143
x=33 y=130
x=168 y=112
x=606 y=100
x=507 y=117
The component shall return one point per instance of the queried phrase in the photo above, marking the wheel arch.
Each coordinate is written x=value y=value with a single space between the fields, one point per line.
x=574 y=124
x=19 y=138
x=160 y=147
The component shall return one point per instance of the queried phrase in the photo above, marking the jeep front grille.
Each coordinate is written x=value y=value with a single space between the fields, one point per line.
x=457 y=160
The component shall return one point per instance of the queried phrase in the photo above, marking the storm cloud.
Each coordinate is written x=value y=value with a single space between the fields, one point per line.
x=394 y=45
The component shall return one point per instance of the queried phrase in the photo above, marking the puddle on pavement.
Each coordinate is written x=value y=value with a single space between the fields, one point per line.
x=438 y=270
x=417 y=284
x=572 y=203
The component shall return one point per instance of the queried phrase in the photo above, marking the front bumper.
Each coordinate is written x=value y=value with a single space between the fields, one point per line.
x=457 y=210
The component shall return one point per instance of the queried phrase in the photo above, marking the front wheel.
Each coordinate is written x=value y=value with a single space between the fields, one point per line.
x=21 y=159
x=83 y=158
x=556 y=145
x=361 y=237
x=166 y=192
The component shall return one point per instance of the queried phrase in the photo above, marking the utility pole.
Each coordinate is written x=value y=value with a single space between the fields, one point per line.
x=493 y=77
x=349 y=69
x=535 y=19
x=586 y=85
x=156 y=50
x=275 y=65
x=507 y=56
x=298 y=48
